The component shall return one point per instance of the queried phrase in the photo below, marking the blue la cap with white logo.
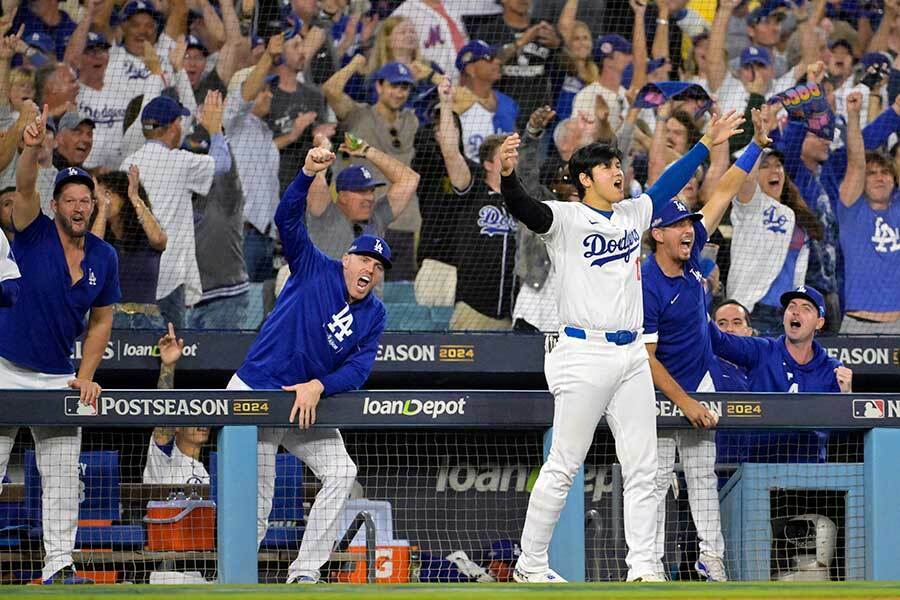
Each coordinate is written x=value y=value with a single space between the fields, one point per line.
x=755 y=55
x=42 y=41
x=673 y=212
x=96 y=40
x=160 y=111
x=356 y=177
x=72 y=175
x=194 y=42
x=139 y=6
x=607 y=44
x=805 y=292
x=374 y=246
x=394 y=73
x=473 y=51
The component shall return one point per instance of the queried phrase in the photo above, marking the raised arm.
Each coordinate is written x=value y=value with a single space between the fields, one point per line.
x=78 y=40
x=566 y=22
x=339 y=101
x=530 y=150
x=729 y=185
x=255 y=81
x=879 y=41
x=448 y=140
x=27 y=206
x=170 y=351
x=854 y=181
x=290 y=216
x=152 y=229
x=675 y=177
x=176 y=22
x=535 y=215
x=214 y=25
x=717 y=67
x=639 y=44
x=234 y=46
x=719 y=160
x=402 y=181
x=660 y=47
x=659 y=153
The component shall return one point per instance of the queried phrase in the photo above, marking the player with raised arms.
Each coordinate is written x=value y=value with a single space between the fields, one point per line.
x=600 y=366
x=321 y=339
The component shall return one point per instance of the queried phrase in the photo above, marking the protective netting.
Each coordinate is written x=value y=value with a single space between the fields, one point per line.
x=446 y=506
x=199 y=230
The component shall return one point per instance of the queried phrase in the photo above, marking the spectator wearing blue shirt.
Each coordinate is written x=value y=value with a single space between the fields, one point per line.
x=44 y=16
x=681 y=356
x=9 y=270
x=869 y=219
x=817 y=172
x=67 y=272
x=321 y=339
x=482 y=110
x=794 y=362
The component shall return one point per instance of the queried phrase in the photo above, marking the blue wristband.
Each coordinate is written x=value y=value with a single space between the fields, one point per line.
x=748 y=158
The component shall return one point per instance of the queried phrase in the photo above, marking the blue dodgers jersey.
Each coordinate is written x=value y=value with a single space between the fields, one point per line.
x=38 y=332
x=314 y=332
x=771 y=368
x=675 y=310
x=730 y=377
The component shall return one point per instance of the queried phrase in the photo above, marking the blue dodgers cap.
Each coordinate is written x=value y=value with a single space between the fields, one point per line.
x=504 y=551
x=755 y=55
x=607 y=44
x=96 y=40
x=356 y=177
x=806 y=292
x=472 y=52
x=673 y=212
x=139 y=6
x=42 y=42
x=374 y=246
x=767 y=9
x=72 y=175
x=292 y=26
x=875 y=58
x=160 y=111
x=194 y=42
x=394 y=73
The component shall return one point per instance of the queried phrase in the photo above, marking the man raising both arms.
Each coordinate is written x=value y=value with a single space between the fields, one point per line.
x=600 y=366
x=321 y=339
x=67 y=274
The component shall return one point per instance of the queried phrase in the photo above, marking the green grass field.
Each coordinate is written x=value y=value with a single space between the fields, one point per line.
x=767 y=591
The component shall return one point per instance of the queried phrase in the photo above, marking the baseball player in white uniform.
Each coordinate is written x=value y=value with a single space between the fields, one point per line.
x=600 y=366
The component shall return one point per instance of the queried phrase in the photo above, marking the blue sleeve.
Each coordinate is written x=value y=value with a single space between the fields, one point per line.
x=878 y=131
x=746 y=352
x=290 y=218
x=9 y=292
x=676 y=176
x=651 y=303
x=701 y=236
x=790 y=145
x=218 y=149
x=355 y=370
x=111 y=293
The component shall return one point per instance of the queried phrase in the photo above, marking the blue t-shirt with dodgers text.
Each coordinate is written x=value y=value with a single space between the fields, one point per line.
x=675 y=313
x=870 y=241
x=38 y=332
x=314 y=332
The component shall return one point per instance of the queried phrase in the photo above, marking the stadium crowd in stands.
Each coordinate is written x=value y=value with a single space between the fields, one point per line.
x=216 y=104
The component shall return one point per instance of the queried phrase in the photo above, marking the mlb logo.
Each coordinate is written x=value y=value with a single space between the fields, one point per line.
x=868 y=409
x=74 y=408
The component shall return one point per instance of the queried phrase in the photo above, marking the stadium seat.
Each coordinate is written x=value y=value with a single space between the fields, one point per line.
x=287 y=518
x=255 y=308
x=399 y=292
x=440 y=317
x=99 y=475
x=408 y=317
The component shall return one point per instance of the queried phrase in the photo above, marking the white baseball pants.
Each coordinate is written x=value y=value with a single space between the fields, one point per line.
x=697 y=449
x=590 y=379
x=323 y=451
x=57 y=451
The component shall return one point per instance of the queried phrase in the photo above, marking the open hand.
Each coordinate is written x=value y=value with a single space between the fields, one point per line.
x=763 y=123
x=176 y=54
x=722 y=128
x=211 y=112
x=307 y=397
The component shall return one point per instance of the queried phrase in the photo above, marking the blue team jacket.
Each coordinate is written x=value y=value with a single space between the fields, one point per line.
x=314 y=332
x=771 y=368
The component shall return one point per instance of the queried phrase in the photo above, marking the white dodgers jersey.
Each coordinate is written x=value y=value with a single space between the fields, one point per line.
x=597 y=260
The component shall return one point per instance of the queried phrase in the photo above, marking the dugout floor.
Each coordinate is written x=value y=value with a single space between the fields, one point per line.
x=767 y=590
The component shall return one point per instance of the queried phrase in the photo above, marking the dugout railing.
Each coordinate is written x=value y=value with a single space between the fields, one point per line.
x=876 y=416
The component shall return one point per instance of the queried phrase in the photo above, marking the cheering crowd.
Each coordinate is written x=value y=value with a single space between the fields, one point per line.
x=193 y=117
